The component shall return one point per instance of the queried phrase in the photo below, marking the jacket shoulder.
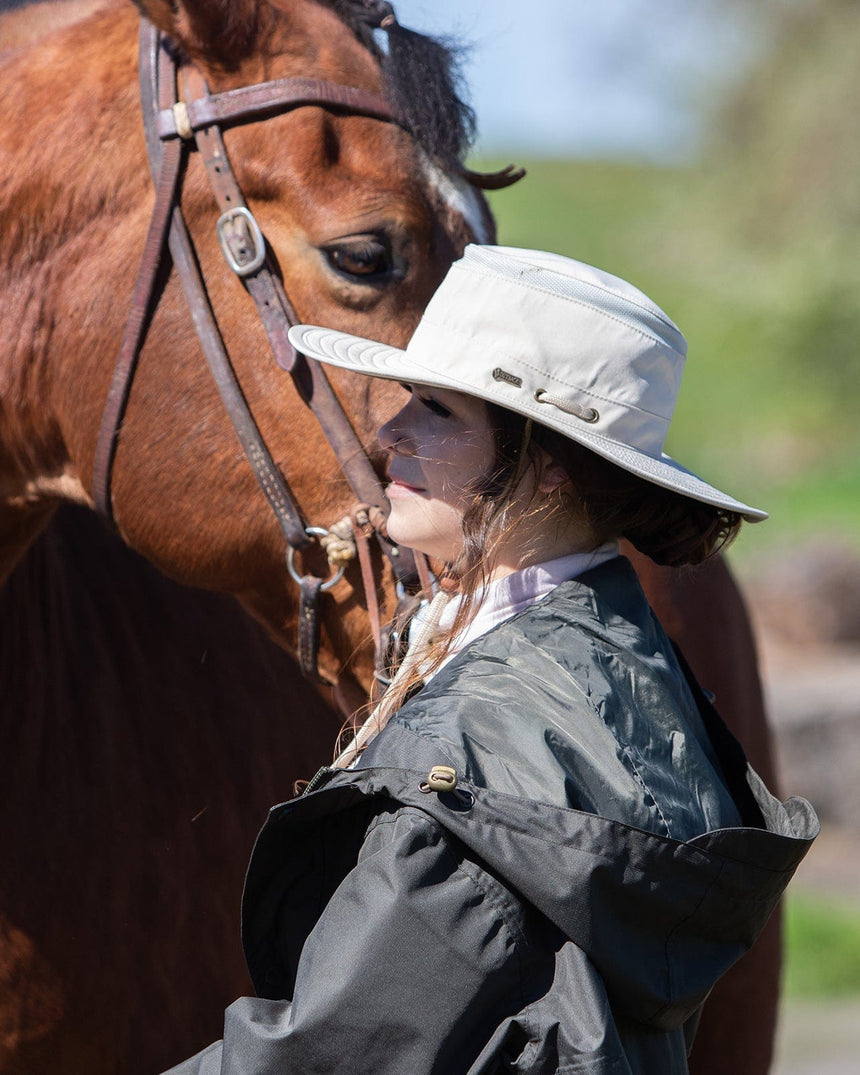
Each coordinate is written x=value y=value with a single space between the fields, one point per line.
x=577 y=702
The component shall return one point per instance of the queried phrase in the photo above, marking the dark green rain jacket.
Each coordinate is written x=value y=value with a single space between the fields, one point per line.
x=605 y=856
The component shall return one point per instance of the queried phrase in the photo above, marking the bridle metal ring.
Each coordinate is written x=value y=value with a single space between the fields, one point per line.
x=313 y=531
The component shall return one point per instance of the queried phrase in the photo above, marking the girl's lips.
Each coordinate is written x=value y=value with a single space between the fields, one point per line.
x=399 y=488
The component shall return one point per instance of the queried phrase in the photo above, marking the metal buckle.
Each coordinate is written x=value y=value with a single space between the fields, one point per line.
x=242 y=242
x=313 y=531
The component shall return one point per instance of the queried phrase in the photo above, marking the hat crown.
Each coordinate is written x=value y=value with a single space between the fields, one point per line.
x=562 y=337
x=579 y=282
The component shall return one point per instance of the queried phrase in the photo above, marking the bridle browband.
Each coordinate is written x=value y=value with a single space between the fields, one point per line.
x=172 y=127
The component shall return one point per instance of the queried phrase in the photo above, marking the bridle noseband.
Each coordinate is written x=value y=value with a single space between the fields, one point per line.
x=172 y=126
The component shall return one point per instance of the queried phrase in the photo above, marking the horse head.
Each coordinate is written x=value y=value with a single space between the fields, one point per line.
x=361 y=217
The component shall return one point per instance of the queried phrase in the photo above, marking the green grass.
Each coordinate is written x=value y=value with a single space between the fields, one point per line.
x=771 y=393
x=822 y=949
x=586 y=209
x=825 y=501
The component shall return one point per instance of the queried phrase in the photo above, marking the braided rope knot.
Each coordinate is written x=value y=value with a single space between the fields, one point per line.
x=339 y=542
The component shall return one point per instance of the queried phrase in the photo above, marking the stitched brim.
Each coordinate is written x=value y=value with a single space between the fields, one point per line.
x=374 y=359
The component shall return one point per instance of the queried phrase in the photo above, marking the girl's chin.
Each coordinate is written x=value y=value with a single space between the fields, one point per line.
x=405 y=536
x=411 y=537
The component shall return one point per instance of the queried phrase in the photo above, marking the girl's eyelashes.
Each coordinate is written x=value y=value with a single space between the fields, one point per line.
x=431 y=404
x=434 y=406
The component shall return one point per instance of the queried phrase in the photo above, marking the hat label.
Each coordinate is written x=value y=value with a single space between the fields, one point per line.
x=509 y=378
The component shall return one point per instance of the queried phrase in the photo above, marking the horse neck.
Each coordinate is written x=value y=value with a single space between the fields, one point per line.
x=68 y=181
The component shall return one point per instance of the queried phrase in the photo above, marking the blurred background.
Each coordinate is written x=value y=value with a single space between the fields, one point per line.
x=710 y=153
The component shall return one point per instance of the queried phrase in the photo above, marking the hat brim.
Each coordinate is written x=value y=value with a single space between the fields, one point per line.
x=374 y=359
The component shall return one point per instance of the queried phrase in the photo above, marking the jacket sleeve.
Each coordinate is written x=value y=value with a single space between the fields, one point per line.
x=405 y=970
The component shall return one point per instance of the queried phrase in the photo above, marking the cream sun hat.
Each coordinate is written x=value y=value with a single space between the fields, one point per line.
x=563 y=343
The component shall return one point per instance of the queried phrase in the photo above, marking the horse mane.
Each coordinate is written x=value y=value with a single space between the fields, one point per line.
x=422 y=76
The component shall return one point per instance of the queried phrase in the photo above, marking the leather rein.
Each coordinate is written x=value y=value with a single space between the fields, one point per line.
x=173 y=128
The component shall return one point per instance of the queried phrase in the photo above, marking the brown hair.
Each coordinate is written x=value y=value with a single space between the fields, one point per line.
x=672 y=529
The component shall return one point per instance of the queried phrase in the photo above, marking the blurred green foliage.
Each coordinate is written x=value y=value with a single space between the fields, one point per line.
x=822 y=948
x=753 y=250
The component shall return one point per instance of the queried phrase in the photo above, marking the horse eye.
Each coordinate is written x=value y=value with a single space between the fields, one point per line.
x=367 y=258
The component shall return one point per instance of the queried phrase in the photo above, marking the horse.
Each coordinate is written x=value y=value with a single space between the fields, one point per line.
x=148 y=725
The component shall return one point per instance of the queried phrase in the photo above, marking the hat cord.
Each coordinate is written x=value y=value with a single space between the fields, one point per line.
x=586 y=414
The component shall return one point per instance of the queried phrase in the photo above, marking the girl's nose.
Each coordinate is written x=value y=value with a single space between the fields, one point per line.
x=393 y=438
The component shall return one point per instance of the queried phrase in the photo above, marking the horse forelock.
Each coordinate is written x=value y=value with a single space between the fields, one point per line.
x=423 y=79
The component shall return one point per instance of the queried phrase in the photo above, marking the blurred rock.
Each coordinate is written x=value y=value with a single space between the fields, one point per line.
x=805 y=604
x=810 y=595
x=812 y=699
x=815 y=715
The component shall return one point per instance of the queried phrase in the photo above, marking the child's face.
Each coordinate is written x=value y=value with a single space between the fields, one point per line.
x=439 y=444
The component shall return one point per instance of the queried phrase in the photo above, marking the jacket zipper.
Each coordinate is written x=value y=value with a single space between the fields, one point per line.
x=318 y=778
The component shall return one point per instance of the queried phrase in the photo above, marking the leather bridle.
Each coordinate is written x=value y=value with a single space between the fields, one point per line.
x=173 y=127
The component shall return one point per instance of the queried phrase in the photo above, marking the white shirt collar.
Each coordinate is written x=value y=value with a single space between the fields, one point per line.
x=506 y=596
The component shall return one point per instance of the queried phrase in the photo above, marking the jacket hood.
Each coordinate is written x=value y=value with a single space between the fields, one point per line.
x=661 y=920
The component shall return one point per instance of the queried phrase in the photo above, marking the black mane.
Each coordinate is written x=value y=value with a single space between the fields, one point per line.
x=422 y=77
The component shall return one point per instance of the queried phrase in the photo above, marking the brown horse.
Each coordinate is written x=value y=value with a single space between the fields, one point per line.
x=146 y=726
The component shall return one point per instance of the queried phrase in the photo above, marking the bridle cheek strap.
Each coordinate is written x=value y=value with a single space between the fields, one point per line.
x=168 y=125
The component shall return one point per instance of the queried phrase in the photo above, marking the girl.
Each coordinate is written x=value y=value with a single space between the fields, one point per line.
x=542 y=848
